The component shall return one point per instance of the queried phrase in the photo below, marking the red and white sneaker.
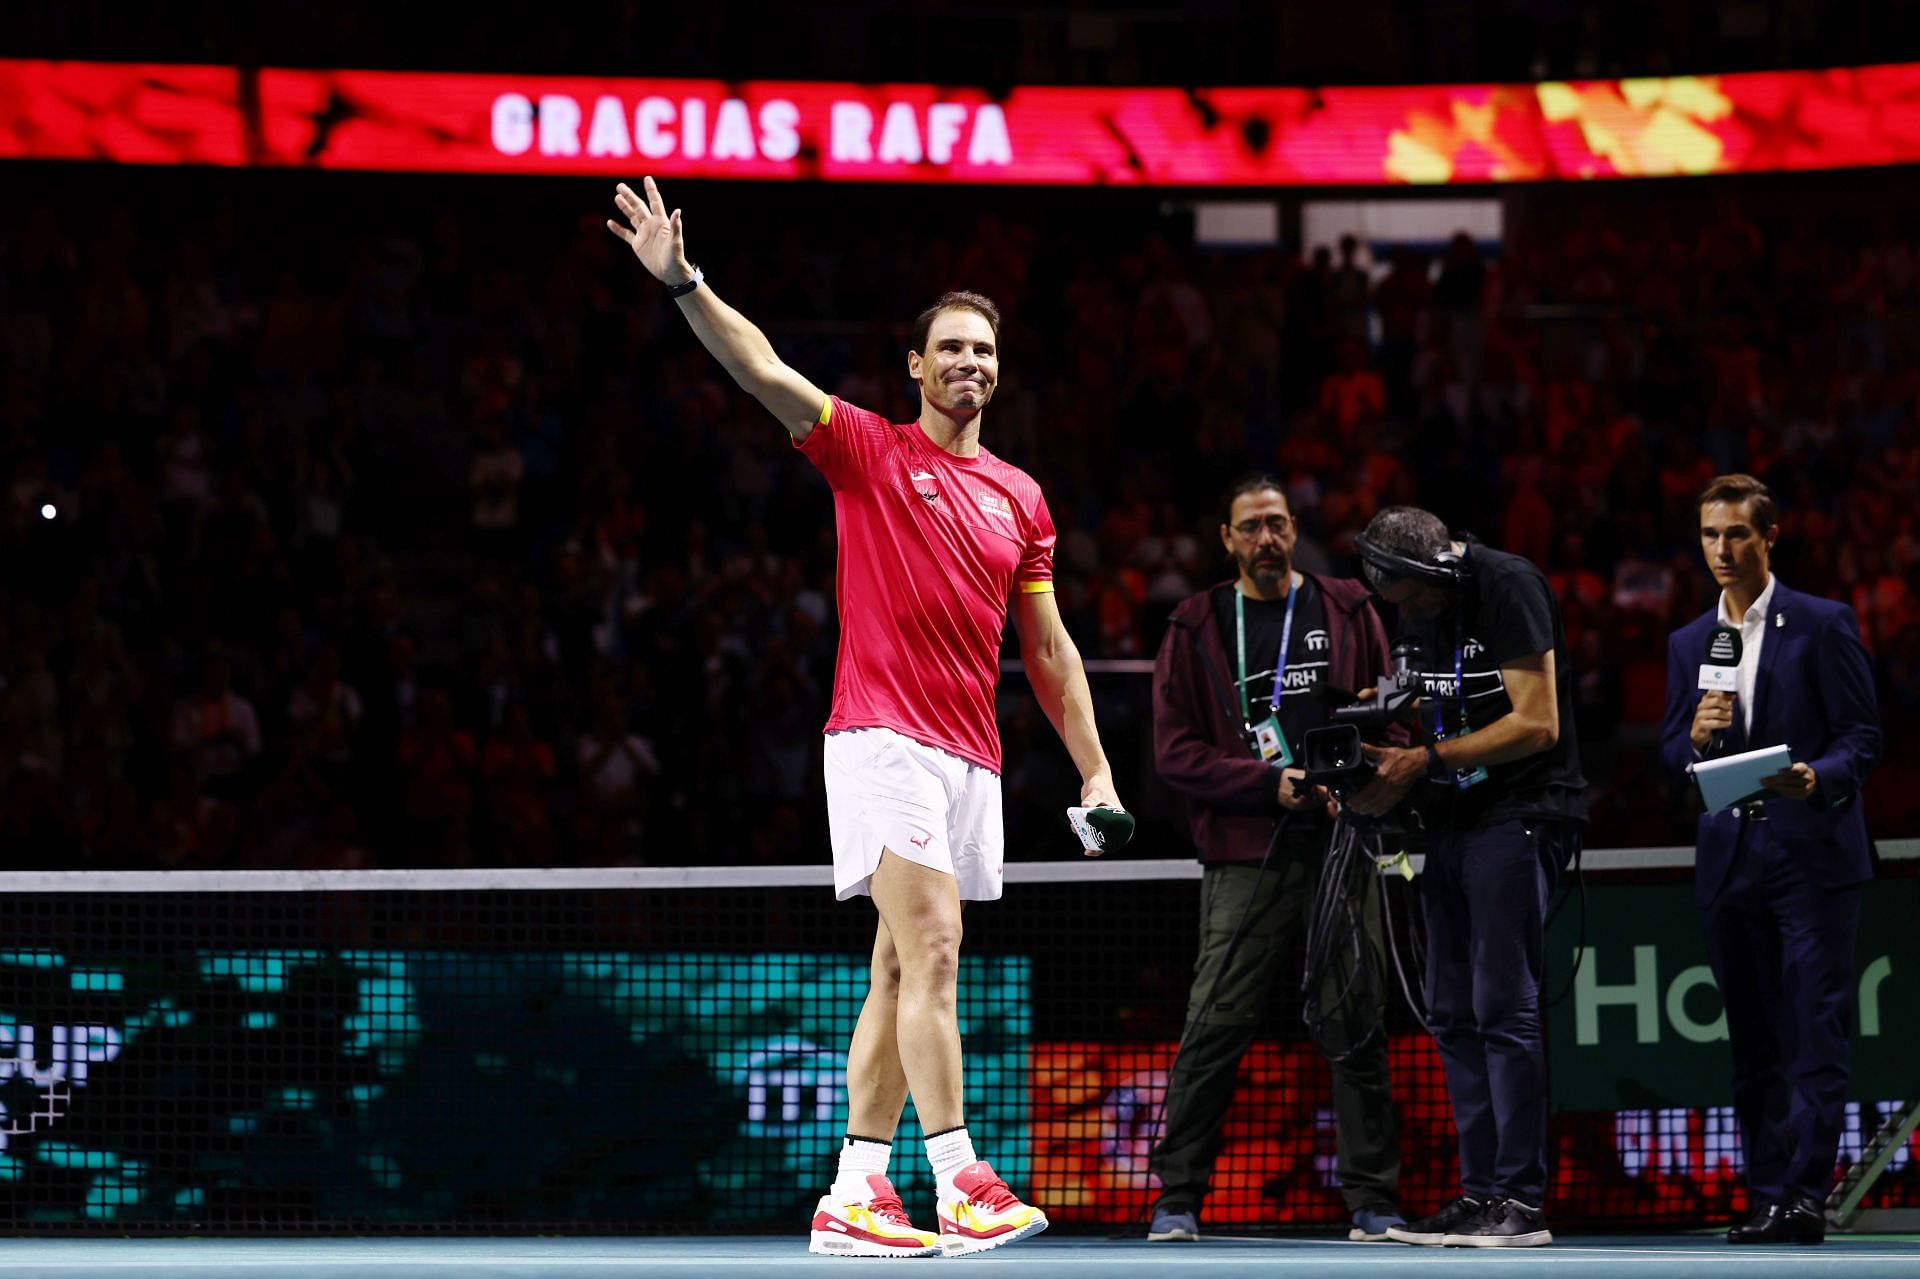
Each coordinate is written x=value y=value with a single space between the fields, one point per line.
x=986 y=1216
x=877 y=1227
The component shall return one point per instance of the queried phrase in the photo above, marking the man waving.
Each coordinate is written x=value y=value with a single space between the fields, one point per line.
x=937 y=535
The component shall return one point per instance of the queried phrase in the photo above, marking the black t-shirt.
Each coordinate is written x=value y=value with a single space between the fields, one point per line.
x=1507 y=612
x=1301 y=704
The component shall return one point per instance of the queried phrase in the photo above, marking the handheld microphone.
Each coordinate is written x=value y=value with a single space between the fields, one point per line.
x=1720 y=673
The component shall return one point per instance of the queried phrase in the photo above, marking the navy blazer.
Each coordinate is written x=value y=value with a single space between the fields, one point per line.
x=1814 y=694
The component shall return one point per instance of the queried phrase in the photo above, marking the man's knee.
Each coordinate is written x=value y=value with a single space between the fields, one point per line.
x=1507 y=1011
x=932 y=956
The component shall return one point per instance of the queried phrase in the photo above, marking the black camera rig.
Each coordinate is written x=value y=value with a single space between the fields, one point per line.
x=1331 y=756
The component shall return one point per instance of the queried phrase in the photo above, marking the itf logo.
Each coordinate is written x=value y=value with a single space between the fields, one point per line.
x=791 y=1082
x=70 y=1053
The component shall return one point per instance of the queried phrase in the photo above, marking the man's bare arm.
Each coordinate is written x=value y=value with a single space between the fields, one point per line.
x=1060 y=686
x=1529 y=728
x=655 y=237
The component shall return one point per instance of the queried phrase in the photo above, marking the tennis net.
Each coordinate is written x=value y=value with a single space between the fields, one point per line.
x=662 y=1050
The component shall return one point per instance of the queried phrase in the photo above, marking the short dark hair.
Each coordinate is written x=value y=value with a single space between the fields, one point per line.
x=1406 y=531
x=1252 y=482
x=958 y=300
x=1737 y=488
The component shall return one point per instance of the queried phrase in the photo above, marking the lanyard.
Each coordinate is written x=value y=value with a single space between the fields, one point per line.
x=1279 y=663
x=1459 y=678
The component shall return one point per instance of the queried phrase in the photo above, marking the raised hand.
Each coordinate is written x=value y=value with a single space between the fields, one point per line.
x=652 y=233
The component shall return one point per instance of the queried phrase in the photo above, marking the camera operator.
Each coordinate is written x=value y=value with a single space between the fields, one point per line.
x=1239 y=681
x=1501 y=797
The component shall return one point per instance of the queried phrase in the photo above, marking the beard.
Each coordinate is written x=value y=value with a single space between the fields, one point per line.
x=1265 y=568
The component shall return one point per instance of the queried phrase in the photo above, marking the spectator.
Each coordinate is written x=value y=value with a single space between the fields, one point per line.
x=615 y=766
x=325 y=713
x=437 y=762
x=215 y=730
x=493 y=477
x=518 y=770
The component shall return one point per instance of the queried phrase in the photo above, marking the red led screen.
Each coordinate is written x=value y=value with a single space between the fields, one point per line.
x=1097 y=1110
x=420 y=122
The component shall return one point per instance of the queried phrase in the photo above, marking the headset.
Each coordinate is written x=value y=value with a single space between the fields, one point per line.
x=1448 y=569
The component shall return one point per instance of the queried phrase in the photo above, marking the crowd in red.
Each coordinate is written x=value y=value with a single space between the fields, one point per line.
x=391 y=536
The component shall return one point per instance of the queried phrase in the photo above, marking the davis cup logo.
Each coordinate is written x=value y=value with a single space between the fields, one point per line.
x=1721 y=670
x=33 y=1097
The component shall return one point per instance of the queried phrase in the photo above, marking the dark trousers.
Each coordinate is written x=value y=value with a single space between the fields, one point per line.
x=1229 y=997
x=1781 y=947
x=1485 y=893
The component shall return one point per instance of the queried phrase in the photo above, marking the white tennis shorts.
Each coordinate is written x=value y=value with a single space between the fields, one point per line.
x=887 y=791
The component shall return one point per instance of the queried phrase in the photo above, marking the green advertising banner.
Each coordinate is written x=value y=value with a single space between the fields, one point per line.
x=1641 y=1024
x=276 y=1088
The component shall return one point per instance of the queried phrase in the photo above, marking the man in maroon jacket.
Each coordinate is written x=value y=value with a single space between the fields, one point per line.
x=1239 y=680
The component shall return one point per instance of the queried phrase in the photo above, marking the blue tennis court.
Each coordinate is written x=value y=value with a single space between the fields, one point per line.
x=722 y=1257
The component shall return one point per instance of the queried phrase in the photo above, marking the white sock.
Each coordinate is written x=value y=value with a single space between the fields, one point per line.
x=949 y=1152
x=860 y=1158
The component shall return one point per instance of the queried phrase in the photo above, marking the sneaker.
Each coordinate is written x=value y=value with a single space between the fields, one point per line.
x=1503 y=1223
x=986 y=1215
x=1431 y=1230
x=877 y=1227
x=1170 y=1227
x=1370 y=1225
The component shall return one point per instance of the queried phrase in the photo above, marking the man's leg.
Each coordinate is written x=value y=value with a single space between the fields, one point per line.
x=1506 y=885
x=920 y=911
x=1743 y=948
x=1817 y=935
x=1230 y=992
x=876 y=1083
x=1450 y=1011
x=860 y=1214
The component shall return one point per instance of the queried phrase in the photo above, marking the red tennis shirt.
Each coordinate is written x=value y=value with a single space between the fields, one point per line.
x=931 y=548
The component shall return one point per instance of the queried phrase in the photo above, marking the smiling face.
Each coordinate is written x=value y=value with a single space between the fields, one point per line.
x=1737 y=551
x=960 y=366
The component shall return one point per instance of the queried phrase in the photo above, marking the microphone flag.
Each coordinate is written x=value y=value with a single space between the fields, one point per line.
x=1721 y=670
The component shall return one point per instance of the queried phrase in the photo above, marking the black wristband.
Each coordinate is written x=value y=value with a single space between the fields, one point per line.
x=1435 y=769
x=692 y=283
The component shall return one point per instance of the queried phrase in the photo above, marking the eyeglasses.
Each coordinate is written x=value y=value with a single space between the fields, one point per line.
x=1278 y=525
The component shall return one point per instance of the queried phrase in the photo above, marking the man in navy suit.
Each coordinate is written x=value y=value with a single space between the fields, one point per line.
x=1778 y=880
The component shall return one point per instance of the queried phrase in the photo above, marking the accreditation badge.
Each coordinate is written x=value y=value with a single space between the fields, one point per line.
x=1270 y=742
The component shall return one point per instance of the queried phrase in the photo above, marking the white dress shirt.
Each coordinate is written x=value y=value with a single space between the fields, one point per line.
x=1753 y=633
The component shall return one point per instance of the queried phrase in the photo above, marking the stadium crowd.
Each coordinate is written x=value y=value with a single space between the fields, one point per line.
x=394 y=535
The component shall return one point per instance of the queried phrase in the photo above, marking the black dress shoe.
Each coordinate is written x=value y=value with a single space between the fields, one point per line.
x=1801 y=1220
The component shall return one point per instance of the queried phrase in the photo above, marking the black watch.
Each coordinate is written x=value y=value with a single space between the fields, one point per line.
x=692 y=282
x=1436 y=770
